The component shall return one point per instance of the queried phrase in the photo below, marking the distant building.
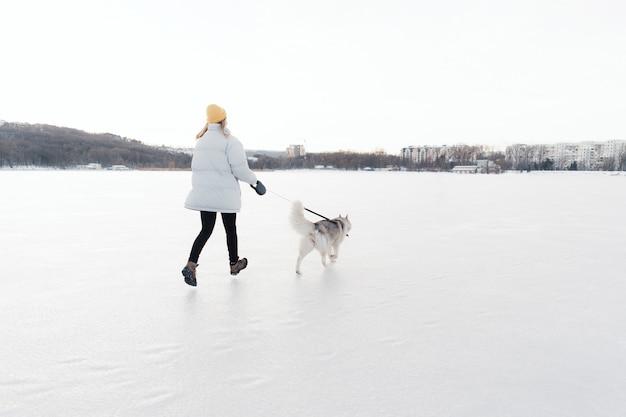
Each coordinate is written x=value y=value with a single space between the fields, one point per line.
x=588 y=155
x=425 y=155
x=119 y=168
x=486 y=166
x=465 y=169
x=92 y=166
x=294 y=151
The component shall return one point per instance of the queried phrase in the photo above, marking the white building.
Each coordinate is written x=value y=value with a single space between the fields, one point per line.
x=92 y=166
x=119 y=168
x=614 y=154
x=588 y=155
x=294 y=151
x=465 y=169
x=431 y=154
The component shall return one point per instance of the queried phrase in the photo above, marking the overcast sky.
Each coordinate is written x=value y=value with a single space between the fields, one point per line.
x=330 y=74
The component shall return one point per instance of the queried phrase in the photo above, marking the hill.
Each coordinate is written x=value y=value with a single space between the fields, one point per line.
x=23 y=144
x=41 y=145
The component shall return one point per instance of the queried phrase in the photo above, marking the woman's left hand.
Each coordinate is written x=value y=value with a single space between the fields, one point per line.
x=259 y=188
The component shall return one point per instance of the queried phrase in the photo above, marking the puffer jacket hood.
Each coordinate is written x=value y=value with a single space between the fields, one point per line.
x=219 y=162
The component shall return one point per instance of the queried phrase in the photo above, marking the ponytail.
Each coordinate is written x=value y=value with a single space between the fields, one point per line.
x=225 y=130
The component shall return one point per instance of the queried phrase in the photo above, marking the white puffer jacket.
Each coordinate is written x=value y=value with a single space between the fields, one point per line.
x=219 y=162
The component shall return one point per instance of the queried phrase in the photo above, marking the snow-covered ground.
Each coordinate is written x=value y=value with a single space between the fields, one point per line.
x=455 y=295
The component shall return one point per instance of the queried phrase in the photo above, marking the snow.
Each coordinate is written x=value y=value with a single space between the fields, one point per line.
x=455 y=295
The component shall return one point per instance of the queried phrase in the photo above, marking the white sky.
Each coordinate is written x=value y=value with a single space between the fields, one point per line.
x=332 y=74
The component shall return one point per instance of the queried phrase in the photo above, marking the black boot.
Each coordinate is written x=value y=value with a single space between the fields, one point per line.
x=189 y=272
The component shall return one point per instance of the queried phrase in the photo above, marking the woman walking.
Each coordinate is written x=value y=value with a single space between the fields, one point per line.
x=219 y=162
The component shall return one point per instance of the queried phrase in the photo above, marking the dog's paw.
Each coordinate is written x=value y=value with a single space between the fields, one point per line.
x=333 y=258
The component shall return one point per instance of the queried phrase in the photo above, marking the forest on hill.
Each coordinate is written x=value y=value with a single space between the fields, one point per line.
x=41 y=145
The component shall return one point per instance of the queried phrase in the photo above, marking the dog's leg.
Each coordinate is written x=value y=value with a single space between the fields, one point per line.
x=323 y=258
x=334 y=251
x=326 y=250
x=306 y=246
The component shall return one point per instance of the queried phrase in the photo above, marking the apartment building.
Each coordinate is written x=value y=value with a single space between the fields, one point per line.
x=294 y=151
x=588 y=155
x=431 y=154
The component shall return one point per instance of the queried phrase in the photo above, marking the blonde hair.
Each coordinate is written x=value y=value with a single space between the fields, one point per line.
x=222 y=124
x=225 y=130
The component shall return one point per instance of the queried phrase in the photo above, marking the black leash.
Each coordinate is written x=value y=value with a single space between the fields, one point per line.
x=317 y=214
x=310 y=211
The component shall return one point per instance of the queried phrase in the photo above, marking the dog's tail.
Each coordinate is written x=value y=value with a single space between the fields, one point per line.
x=298 y=221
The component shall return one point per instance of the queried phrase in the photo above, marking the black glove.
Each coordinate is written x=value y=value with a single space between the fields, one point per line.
x=259 y=188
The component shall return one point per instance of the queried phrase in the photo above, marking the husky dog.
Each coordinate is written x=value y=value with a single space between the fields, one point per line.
x=325 y=235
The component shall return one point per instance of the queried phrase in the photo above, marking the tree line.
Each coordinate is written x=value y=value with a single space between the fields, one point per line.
x=348 y=160
x=42 y=145
x=344 y=160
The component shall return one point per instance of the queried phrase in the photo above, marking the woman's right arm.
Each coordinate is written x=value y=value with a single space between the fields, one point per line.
x=238 y=161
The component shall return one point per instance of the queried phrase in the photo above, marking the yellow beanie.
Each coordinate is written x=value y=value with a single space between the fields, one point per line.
x=215 y=114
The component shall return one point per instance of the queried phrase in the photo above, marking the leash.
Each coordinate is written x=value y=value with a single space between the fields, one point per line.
x=286 y=199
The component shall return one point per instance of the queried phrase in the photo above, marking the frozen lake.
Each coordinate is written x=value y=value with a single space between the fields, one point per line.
x=455 y=295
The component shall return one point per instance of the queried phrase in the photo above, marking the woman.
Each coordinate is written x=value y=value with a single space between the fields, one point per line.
x=219 y=162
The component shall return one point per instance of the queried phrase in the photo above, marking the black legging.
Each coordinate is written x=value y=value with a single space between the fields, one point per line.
x=208 y=223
